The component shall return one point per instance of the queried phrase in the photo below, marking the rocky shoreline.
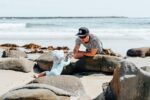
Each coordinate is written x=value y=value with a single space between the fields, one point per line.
x=110 y=72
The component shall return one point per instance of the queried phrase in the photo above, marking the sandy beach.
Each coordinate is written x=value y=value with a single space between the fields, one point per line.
x=13 y=79
x=92 y=83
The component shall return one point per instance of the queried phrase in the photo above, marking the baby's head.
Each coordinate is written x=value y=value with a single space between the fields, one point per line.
x=58 y=56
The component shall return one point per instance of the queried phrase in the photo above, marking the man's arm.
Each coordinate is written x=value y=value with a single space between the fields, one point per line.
x=76 y=49
x=91 y=53
x=77 y=54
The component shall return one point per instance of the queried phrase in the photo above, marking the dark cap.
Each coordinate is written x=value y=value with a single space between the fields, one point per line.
x=83 y=31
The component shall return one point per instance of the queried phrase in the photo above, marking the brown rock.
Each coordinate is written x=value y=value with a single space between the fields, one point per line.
x=68 y=83
x=129 y=83
x=13 y=52
x=9 y=45
x=32 y=46
x=49 y=88
x=50 y=48
x=110 y=52
x=97 y=63
x=36 y=92
x=139 y=52
x=35 y=51
x=17 y=64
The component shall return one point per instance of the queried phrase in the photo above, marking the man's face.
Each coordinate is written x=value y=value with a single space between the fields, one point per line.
x=84 y=39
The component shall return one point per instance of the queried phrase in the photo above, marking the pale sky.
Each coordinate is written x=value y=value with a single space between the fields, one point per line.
x=24 y=8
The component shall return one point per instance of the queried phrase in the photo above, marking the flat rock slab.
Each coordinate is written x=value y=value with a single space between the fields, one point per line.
x=14 y=53
x=71 y=84
x=36 y=92
x=16 y=64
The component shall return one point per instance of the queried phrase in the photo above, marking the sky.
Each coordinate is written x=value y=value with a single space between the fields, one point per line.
x=53 y=8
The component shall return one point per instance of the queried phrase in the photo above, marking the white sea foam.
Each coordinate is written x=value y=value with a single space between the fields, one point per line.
x=143 y=34
x=14 y=26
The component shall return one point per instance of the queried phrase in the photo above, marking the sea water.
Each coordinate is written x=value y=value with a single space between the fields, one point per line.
x=117 y=33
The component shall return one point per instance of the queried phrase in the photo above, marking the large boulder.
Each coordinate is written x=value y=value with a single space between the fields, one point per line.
x=139 y=52
x=104 y=63
x=71 y=84
x=14 y=53
x=97 y=63
x=45 y=61
x=49 y=88
x=36 y=92
x=129 y=83
x=17 y=64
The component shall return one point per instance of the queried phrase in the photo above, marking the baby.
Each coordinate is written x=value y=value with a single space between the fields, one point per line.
x=59 y=61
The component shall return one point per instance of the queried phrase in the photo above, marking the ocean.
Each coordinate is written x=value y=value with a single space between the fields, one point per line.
x=117 y=33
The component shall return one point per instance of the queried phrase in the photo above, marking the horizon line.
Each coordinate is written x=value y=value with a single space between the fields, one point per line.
x=28 y=17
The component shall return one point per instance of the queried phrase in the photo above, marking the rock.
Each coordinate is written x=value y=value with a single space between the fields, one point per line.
x=110 y=52
x=129 y=83
x=71 y=84
x=49 y=88
x=45 y=61
x=97 y=63
x=36 y=92
x=43 y=48
x=35 y=51
x=146 y=68
x=64 y=48
x=50 y=48
x=9 y=45
x=139 y=52
x=14 y=53
x=32 y=46
x=17 y=64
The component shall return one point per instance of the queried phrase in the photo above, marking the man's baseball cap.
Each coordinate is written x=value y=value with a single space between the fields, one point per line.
x=83 y=31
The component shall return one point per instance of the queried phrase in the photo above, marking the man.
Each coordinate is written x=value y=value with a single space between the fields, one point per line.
x=91 y=42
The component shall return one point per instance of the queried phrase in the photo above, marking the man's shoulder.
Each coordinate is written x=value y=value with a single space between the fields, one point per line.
x=93 y=37
x=78 y=40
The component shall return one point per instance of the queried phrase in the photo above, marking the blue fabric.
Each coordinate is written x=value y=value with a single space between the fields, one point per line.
x=59 y=62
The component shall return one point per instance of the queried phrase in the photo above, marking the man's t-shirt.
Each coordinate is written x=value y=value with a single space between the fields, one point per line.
x=94 y=43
